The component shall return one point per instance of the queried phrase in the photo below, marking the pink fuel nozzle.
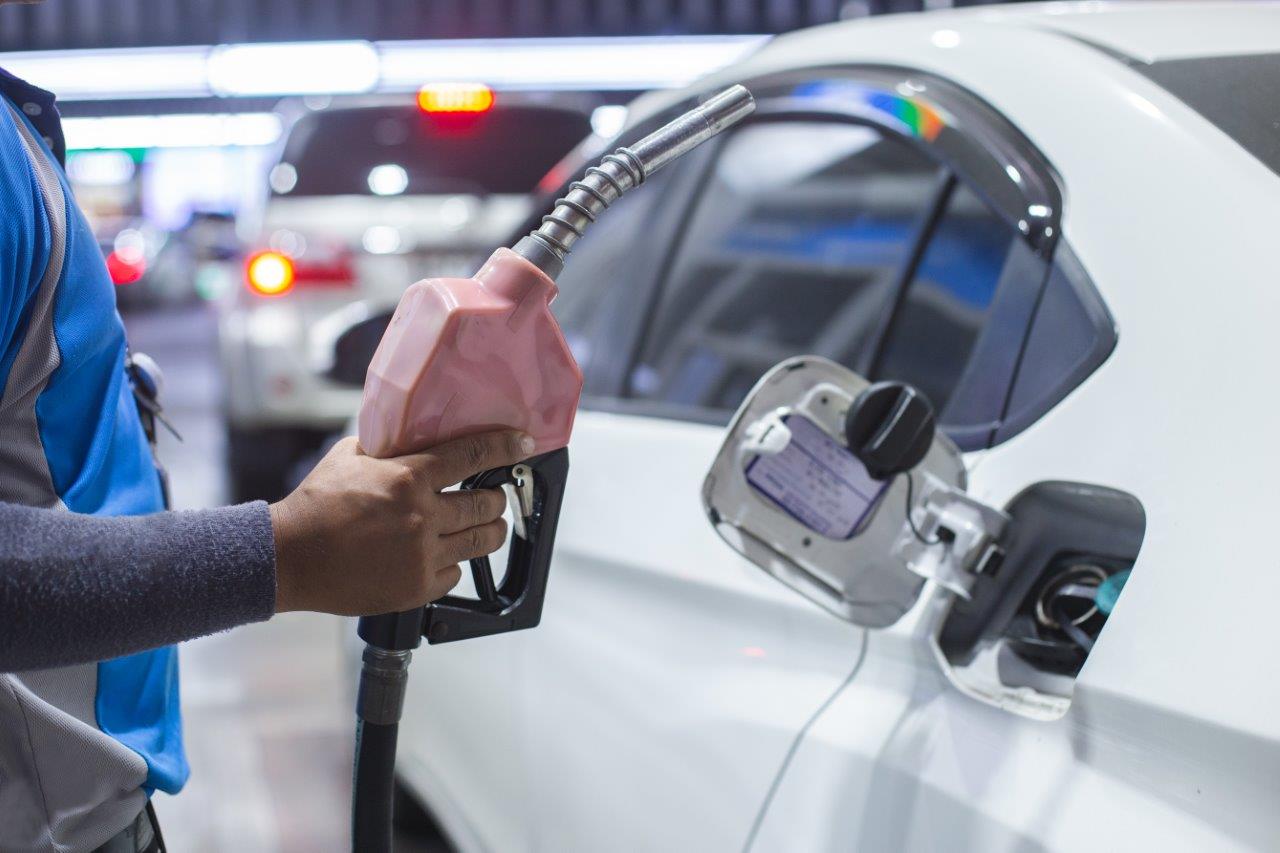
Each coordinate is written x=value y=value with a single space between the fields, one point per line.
x=466 y=355
x=463 y=355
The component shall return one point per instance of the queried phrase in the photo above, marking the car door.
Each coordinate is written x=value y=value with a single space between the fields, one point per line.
x=669 y=678
x=904 y=758
x=997 y=328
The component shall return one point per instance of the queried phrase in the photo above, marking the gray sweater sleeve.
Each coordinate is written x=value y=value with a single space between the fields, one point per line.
x=77 y=588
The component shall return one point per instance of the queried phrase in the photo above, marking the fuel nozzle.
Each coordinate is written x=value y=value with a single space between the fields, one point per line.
x=464 y=355
x=624 y=169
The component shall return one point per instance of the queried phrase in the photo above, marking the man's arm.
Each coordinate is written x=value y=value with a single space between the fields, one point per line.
x=360 y=536
x=76 y=588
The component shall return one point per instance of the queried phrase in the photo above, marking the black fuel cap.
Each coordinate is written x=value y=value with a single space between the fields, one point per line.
x=890 y=427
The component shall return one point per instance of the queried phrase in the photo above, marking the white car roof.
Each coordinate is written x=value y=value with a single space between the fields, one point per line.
x=1141 y=31
x=1150 y=31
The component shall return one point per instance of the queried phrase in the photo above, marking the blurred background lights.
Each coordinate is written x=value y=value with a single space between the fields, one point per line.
x=283 y=178
x=101 y=168
x=607 y=121
x=455 y=98
x=286 y=241
x=123 y=271
x=381 y=239
x=299 y=68
x=388 y=179
x=176 y=130
x=127 y=260
x=270 y=273
x=325 y=68
x=130 y=245
x=172 y=72
x=456 y=212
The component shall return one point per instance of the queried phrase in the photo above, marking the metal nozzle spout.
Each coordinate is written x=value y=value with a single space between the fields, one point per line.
x=624 y=169
x=692 y=129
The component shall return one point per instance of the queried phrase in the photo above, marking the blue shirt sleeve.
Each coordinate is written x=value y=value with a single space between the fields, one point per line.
x=24 y=240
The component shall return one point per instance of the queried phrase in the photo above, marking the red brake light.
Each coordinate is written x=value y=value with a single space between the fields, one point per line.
x=275 y=273
x=269 y=273
x=126 y=269
x=455 y=98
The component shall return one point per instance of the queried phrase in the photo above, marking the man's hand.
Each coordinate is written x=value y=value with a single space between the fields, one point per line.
x=363 y=536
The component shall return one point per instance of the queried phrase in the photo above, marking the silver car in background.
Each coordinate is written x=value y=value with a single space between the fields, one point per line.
x=366 y=198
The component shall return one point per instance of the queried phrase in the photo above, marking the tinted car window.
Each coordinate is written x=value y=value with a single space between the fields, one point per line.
x=794 y=247
x=946 y=306
x=1071 y=335
x=615 y=254
x=335 y=152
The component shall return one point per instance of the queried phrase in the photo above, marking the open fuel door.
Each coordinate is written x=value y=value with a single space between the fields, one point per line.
x=858 y=504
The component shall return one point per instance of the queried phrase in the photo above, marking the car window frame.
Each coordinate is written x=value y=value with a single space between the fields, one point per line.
x=980 y=151
x=620 y=402
x=962 y=160
x=612 y=396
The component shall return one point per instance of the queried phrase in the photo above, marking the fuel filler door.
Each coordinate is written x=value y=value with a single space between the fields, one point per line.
x=845 y=491
x=803 y=488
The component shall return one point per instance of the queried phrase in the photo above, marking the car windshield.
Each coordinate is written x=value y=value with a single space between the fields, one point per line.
x=395 y=150
x=1239 y=94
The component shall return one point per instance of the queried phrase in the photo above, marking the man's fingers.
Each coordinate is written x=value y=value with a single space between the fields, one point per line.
x=475 y=542
x=470 y=508
x=454 y=461
x=443 y=581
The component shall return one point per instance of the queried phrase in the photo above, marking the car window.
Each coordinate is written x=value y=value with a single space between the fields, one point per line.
x=395 y=150
x=616 y=254
x=947 y=304
x=795 y=246
x=1071 y=335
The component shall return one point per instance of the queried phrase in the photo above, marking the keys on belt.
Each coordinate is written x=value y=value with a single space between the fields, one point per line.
x=147 y=382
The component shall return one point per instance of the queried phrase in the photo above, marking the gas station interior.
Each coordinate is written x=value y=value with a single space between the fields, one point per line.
x=175 y=114
x=265 y=178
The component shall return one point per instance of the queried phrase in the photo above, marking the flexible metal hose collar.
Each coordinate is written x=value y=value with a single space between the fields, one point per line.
x=624 y=169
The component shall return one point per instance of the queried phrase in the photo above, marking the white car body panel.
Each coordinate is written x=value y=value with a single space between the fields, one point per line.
x=638 y=723
x=1180 y=29
x=669 y=659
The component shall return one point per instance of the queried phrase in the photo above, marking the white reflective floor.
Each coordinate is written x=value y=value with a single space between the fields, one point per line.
x=267 y=707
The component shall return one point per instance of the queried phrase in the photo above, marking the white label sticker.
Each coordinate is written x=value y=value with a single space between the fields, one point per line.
x=816 y=480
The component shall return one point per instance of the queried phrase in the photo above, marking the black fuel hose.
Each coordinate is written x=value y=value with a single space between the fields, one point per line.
x=374 y=781
x=378 y=706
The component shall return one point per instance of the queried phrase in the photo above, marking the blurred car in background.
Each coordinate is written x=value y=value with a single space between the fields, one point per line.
x=367 y=197
x=152 y=267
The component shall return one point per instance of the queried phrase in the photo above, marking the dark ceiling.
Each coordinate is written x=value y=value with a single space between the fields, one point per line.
x=131 y=23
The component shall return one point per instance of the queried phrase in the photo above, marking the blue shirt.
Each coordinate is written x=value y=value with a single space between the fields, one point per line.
x=70 y=434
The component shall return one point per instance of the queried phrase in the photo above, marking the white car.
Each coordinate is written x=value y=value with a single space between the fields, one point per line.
x=1059 y=221
x=367 y=197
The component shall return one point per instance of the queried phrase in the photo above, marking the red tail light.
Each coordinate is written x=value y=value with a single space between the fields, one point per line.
x=269 y=273
x=274 y=273
x=127 y=268
x=455 y=98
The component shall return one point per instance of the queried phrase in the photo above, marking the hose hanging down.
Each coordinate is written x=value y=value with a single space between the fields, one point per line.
x=378 y=708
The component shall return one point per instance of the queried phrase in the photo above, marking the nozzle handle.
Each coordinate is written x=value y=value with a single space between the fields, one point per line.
x=516 y=603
